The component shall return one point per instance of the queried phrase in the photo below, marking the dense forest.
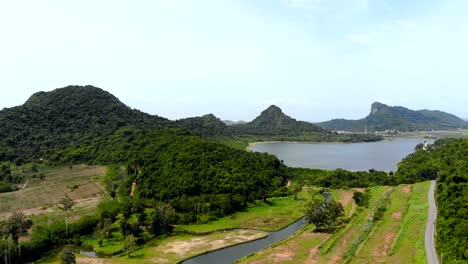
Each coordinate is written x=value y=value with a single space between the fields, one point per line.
x=383 y=117
x=170 y=165
x=66 y=115
x=446 y=159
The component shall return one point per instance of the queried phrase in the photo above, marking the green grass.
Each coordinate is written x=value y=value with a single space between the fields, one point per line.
x=409 y=243
x=281 y=212
x=352 y=229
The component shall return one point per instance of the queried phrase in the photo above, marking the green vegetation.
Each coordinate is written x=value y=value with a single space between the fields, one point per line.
x=409 y=241
x=447 y=158
x=383 y=117
x=277 y=213
x=324 y=215
x=375 y=216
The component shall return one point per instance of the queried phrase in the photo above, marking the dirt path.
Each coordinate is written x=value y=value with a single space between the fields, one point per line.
x=24 y=185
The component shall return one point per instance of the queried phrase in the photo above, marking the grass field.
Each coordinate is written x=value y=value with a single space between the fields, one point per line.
x=81 y=183
x=397 y=238
x=309 y=247
x=280 y=212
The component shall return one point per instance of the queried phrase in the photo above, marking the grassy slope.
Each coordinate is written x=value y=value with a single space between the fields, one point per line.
x=399 y=237
x=304 y=246
x=378 y=244
x=82 y=183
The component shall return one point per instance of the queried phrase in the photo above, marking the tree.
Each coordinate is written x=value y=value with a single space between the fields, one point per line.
x=67 y=256
x=296 y=188
x=323 y=214
x=17 y=225
x=361 y=198
x=66 y=204
x=130 y=244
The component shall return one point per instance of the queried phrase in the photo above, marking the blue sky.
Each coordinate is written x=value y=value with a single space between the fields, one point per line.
x=317 y=59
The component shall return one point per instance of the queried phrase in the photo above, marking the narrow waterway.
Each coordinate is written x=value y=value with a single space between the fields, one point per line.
x=231 y=254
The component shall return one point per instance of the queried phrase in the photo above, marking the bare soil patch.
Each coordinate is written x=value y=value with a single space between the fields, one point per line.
x=397 y=215
x=406 y=189
x=207 y=243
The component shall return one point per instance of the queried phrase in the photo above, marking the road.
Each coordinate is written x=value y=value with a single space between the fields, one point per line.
x=429 y=244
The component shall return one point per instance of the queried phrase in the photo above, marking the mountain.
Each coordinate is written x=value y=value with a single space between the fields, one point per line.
x=383 y=117
x=27 y=130
x=231 y=123
x=272 y=121
x=207 y=125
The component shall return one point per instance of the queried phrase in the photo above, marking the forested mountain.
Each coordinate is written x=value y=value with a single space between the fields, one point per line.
x=272 y=121
x=271 y=124
x=57 y=116
x=446 y=160
x=207 y=125
x=88 y=125
x=383 y=117
x=169 y=164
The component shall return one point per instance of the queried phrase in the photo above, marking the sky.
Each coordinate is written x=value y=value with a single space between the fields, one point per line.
x=316 y=59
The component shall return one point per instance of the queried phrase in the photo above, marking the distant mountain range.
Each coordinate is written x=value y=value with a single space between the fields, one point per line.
x=271 y=121
x=383 y=117
x=231 y=123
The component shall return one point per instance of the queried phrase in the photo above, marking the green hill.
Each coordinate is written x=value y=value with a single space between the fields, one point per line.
x=272 y=121
x=85 y=124
x=383 y=117
x=207 y=125
x=51 y=118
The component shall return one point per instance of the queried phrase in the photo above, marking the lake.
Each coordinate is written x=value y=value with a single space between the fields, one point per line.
x=382 y=155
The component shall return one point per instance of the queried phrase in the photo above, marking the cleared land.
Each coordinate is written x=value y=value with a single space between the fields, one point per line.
x=175 y=248
x=397 y=238
x=81 y=183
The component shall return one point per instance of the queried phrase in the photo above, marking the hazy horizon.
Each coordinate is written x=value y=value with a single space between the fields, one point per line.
x=316 y=59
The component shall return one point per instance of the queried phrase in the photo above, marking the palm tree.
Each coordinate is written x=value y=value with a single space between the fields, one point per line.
x=66 y=204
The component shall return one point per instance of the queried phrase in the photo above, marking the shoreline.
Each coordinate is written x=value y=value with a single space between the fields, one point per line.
x=253 y=144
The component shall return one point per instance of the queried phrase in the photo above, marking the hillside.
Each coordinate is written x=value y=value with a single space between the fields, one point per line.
x=207 y=125
x=272 y=121
x=48 y=118
x=383 y=117
x=446 y=160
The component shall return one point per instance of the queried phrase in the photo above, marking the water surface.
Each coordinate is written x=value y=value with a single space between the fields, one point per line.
x=382 y=155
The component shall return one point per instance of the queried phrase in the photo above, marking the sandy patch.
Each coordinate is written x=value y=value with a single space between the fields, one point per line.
x=406 y=189
x=388 y=238
x=313 y=253
x=346 y=197
x=208 y=243
x=397 y=215
x=89 y=260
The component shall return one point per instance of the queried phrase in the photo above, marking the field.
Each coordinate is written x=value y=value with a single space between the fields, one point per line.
x=397 y=238
x=173 y=249
x=37 y=197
